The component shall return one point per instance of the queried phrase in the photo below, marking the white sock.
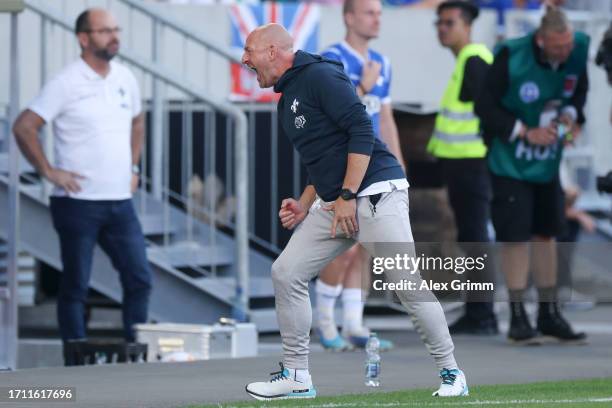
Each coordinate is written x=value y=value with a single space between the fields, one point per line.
x=300 y=374
x=352 y=304
x=326 y=302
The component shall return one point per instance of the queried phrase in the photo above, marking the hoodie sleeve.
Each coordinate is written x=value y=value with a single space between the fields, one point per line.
x=334 y=93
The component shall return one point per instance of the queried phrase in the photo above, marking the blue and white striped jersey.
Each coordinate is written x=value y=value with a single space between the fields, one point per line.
x=353 y=63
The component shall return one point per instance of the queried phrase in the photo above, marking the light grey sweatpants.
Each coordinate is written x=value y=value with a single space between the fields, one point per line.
x=311 y=248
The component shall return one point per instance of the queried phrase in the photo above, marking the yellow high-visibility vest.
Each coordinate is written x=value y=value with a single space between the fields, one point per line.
x=457 y=130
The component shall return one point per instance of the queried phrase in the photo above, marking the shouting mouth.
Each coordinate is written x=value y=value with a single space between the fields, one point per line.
x=254 y=70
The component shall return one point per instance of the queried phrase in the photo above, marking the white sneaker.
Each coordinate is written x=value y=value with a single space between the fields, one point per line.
x=575 y=301
x=453 y=384
x=281 y=386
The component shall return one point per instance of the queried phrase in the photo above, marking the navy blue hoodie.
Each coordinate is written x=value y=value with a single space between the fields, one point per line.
x=322 y=115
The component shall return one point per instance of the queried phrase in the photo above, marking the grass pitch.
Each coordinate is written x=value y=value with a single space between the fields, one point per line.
x=574 y=394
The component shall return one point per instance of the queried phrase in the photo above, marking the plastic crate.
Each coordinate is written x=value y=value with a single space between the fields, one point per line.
x=197 y=342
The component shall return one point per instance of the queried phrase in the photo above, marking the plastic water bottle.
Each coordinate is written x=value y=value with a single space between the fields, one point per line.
x=372 y=366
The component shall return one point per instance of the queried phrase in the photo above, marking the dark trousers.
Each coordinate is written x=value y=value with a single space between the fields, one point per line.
x=469 y=194
x=81 y=224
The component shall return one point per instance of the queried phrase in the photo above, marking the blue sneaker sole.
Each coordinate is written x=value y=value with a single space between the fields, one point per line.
x=336 y=345
x=360 y=342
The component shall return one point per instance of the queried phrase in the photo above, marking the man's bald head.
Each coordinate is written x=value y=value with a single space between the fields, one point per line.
x=269 y=52
x=273 y=34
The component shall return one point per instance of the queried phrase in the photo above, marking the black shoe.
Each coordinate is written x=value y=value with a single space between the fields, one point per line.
x=475 y=327
x=552 y=324
x=521 y=332
x=74 y=352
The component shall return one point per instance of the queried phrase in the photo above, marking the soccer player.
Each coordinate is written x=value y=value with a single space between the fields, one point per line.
x=370 y=73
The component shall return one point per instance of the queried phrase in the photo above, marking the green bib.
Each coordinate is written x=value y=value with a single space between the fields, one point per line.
x=533 y=90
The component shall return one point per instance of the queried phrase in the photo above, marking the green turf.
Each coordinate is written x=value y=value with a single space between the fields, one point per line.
x=579 y=393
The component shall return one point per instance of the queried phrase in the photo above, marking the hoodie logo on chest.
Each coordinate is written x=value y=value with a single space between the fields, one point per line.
x=300 y=121
x=294 y=106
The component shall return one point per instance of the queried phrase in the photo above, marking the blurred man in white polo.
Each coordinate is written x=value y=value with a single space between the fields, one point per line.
x=98 y=128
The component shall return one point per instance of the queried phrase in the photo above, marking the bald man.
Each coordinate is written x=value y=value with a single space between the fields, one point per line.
x=98 y=132
x=357 y=192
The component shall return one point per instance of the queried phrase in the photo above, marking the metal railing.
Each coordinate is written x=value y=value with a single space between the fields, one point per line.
x=218 y=123
x=191 y=134
x=167 y=21
x=158 y=28
x=4 y=129
x=8 y=294
x=275 y=173
x=159 y=23
x=156 y=160
x=206 y=57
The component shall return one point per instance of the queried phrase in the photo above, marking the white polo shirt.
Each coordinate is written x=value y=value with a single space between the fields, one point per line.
x=92 y=125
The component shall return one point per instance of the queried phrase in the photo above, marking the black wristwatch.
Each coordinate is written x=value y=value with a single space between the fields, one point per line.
x=347 y=194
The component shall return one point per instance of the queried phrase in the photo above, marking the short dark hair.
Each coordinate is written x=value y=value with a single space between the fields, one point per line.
x=82 y=23
x=469 y=11
x=555 y=20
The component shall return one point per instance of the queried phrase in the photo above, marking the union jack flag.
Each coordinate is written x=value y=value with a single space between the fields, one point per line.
x=300 y=19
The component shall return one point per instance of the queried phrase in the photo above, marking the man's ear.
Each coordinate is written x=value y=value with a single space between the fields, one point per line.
x=272 y=51
x=83 y=39
x=348 y=19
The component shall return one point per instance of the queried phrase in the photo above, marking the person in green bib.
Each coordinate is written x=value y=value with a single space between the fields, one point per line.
x=530 y=107
x=460 y=151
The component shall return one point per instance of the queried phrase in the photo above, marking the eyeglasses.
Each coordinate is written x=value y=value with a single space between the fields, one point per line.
x=447 y=23
x=105 y=31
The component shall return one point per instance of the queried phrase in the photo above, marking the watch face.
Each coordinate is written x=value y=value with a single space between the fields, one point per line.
x=347 y=194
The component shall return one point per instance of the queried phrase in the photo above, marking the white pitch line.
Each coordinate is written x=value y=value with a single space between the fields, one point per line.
x=441 y=403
